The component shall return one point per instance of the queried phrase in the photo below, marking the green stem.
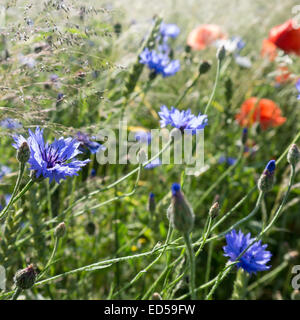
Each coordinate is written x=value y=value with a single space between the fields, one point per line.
x=214 y=88
x=192 y=265
x=16 y=294
x=56 y=241
x=16 y=188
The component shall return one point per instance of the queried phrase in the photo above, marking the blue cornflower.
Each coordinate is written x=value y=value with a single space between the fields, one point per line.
x=298 y=89
x=181 y=119
x=160 y=63
x=10 y=124
x=153 y=164
x=143 y=136
x=270 y=167
x=169 y=30
x=4 y=170
x=229 y=160
x=85 y=142
x=254 y=259
x=54 y=161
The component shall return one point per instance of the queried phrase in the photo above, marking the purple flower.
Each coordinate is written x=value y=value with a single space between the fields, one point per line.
x=229 y=160
x=160 y=63
x=87 y=143
x=4 y=170
x=54 y=161
x=169 y=30
x=153 y=164
x=254 y=259
x=143 y=136
x=298 y=89
x=181 y=119
x=10 y=124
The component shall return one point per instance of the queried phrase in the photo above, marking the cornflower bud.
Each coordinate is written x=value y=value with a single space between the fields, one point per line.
x=156 y=296
x=60 y=230
x=293 y=155
x=204 y=67
x=141 y=156
x=90 y=228
x=244 y=136
x=23 y=153
x=25 y=278
x=266 y=180
x=221 y=53
x=214 y=210
x=151 y=203
x=180 y=213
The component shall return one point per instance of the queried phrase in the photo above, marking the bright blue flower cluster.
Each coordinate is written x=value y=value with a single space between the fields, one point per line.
x=183 y=120
x=85 y=142
x=160 y=63
x=254 y=259
x=54 y=161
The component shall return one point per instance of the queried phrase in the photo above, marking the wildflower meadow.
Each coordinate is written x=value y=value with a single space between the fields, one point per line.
x=149 y=150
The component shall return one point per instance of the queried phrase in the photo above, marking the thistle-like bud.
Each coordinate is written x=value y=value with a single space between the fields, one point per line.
x=90 y=228
x=25 y=278
x=180 y=213
x=221 y=53
x=23 y=153
x=214 y=210
x=204 y=67
x=156 y=296
x=291 y=256
x=295 y=295
x=293 y=155
x=141 y=156
x=151 y=203
x=266 y=180
x=244 y=136
x=60 y=230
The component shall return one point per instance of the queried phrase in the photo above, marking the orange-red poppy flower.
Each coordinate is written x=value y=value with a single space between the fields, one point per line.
x=204 y=35
x=269 y=50
x=264 y=111
x=286 y=37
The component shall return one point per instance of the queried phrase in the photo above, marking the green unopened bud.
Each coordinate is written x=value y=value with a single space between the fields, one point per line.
x=90 y=228
x=266 y=180
x=25 y=278
x=142 y=156
x=60 y=230
x=293 y=155
x=291 y=256
x=214 y=210
x=151 y=203
x=204 y=67
x=180 y=213
x=244 y=136
x=23 y=153
x=221 y=53
x=156 y=296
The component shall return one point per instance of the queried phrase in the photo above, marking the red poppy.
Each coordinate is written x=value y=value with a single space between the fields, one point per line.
x=286 y=37
x=204 y=35
x=269 y=50
x=264 y=111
